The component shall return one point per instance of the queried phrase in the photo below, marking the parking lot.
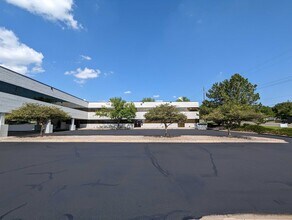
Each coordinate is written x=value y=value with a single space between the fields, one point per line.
x=143 y=181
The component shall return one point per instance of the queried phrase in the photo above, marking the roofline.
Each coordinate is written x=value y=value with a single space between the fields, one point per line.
x=42 y=83
x=144 y=102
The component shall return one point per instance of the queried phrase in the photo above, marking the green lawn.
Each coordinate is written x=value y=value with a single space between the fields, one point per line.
x=266 y=130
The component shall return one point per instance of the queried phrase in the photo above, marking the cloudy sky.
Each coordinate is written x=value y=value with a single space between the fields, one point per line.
x=149 y=48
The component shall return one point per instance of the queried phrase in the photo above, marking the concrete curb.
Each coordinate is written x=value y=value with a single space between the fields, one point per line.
x=247 y=217
x=144 y=139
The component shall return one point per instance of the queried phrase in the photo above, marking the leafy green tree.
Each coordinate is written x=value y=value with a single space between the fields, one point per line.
x=165 y=114
x=183 y=99
x=266 y=110
x=230 y=102
x=237 y=89
x=262 y=113
x=231 y=114
x=39 y=113
x=283 y=110
x=149 y=99
x=119 y=110
x=258 y=118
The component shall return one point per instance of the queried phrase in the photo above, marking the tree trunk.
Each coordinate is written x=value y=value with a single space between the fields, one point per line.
x=165 y=133
x=118 y=124
x=228 y=131
x=42 y=129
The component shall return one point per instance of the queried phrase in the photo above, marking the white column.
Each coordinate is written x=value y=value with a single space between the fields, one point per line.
x=2 y=118
x=3 y=126
x=72 y=126
x=49 y=127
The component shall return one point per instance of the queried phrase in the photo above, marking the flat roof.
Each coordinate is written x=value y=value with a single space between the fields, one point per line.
x=146 y=104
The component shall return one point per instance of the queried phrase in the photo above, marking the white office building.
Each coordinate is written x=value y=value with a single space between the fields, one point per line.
x=17 y=89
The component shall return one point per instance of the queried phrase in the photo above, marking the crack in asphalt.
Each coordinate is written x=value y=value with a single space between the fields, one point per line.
x=69 y=216
x=76 y=152
x=50 y=174
x=59 y=190
x=165 y=173
x=50 y=147
x=162 y=216
x=38 y=186
x=279 y=202
x=215 y=171
x=282 y=182
x=30 y=166
x=155 y=162
x=98 y=183
x=12 y=210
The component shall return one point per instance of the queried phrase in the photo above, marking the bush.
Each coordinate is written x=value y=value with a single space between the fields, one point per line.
x=255 y=128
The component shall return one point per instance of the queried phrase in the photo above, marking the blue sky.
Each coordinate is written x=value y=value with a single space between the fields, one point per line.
x=98 y=49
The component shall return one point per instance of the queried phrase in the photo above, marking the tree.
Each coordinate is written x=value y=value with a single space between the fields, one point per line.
x=119 y=110
x=165 y=114
x=230 y=102
x=183 y=99
x=262 y=114
x=149 y=99
x=266 y=110
x=39 y=113
x=231 y=114
x=259 y=118
x=238 y=89
x=283 y=110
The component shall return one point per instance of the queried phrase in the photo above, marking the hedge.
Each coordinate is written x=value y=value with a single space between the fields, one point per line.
x=266 y=130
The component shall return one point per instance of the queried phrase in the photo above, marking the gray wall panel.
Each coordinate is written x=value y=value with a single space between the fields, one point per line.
x=25 y=82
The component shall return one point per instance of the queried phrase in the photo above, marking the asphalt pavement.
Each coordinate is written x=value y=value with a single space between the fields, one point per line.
x=143 y=181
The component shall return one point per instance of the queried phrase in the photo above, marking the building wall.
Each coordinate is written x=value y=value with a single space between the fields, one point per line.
x=22 y=127
x=11 y=77
x=158 y=125
x=143 y=107
x=9 y=102
x=107 y=126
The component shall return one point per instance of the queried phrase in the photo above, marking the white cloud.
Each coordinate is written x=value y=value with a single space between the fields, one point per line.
x=82 y=75
x=128 y=92
x=54 y=10
x=156 y=96
x=18 y=56
x=84 y=57
x=108 y=73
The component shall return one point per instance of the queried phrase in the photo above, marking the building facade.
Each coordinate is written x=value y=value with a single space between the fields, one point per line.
x=17 y=89
x=190 y=109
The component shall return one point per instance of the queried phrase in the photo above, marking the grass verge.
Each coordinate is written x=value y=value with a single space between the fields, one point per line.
x=266 y=130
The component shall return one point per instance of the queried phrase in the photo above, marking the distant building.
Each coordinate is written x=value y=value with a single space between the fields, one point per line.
x=190 y=109
x=17 y=89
